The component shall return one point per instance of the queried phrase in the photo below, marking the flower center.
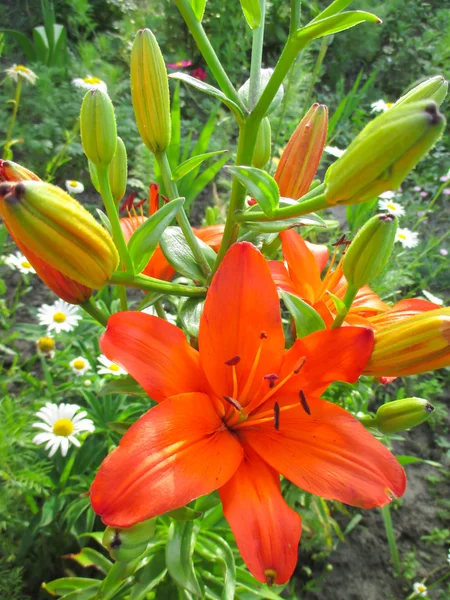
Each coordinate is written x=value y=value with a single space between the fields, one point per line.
x=63 y=427
x=113 y=367
x=92 y=80
x=388 y=104
x=22 y=69
x=46 y=344
x=402 y=236
x=391 y=206
x=25 y=264
x=73 y=183
x=79 y=364
x=59 y=317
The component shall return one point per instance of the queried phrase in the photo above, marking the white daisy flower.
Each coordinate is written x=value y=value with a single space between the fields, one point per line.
x=45 y=347
x=23 y=72
x=74 y=187
x=90 y=83
x=79 y=366
x=420 y=589
x=59 y=316
x=60 y=425
x=107 y=367
x=334 y=151
x=432 y=298
x=389 y=195
x=393 y=207
x=407 y=238
x=380 y=106
x=18 y=261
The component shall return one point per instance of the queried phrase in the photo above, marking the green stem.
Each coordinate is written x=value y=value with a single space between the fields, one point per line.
x=350 y=295
x=183 y=221
x=296 y=10
x=287 y=212
x=431 y=204
x=111 y=210
x=149 y=284
x=123 y=298
x=257 y=50
x=315 y=73
x=386 y=513
x=208 y=53
x=6 y=149
x=93 y=310
x=160 y=310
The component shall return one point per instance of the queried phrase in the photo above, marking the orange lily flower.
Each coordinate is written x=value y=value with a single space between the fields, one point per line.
x=238 y=412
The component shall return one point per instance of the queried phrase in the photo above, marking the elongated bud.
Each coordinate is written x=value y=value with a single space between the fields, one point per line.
x=434 y=88
x=262 y=150
x=301 y=157
x=150 y=92
x=399 y=415
x=98 y=128
x=118 y=172
x=59 y=231
x=384 y=153
x=11 y=171
x=414 y=345
x=369 y=252
x=125 y=545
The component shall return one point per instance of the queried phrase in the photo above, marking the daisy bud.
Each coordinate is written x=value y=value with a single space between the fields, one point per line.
x=414 y=345
x=150 y=92
x=45 y=345
x=98 y=127
x=301 y=157
x=434 y=88
x=59 y=231
x=11 y=171
x=384 y=153
x=399 y=415
x=369 y=252
x=261 y=154
x=124 y=545
x=118 y=172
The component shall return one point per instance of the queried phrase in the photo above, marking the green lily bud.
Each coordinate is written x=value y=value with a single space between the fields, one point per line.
x=150 y=92
x=261 y=153
x=125 y=545
x=264 y=78
x=94 y=175
x=384 y=153
x=369 y=252
x=433 y=88
x=98 y=128
x=118 y=172
x=399 y=415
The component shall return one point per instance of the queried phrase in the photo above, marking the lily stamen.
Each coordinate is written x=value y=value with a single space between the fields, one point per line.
x=263 y=336
x=304 y=403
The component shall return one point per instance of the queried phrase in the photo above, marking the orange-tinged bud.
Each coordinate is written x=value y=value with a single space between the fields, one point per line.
x=11 y=171
x=301 y=157
x=414 y=345
x=58 y=230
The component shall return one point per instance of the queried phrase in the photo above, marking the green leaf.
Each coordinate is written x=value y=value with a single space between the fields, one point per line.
x=410 y=460
x=190 y=312
x=334 y=24
x=184 y=514
x=198 y=6
x=311 y=220
x=219 y=551
x=180 y=256
x=179 y=550
x=245 y=581
x=146 y=238
x=211 y=91
x=89 y=593
x=65 y=585
x=203 y=180
x=123 y=385
x=149 y=576
x=104 y=219
x=192 y=163
x=260 y=185
x=338 y=303
x=335 y=8
x=23 y=41
x=41 y=44
x=252 y=12
x=306 y=319
x=89 y=557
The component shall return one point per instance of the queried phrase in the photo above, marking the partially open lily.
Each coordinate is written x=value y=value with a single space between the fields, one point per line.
x=236 y=413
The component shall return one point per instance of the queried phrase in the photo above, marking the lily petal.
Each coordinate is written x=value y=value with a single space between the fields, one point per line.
x=178 y=451
x=281 y=276
x=303 y=268
x=266 y=529
x=154 y=352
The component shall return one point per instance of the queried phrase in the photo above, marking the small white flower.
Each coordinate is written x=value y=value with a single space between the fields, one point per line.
x=432 y=298
x=90 y=83
x=407 y=238
x=392 y=207
x=23 y=72
x=389 y=195
x=60 y=425
x=74 y=187
x=18 y=261
x=107 y=367
x=45 y=347
x=334 y=151
x=380 y=106
x=87 y=382
x=59 y=316
x=79 y=366
x=420 y=589
x=448 y=556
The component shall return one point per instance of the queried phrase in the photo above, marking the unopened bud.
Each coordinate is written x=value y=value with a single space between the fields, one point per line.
x=384 y=153
x=118 y=172
x=434 y=88
x=11 y=171
x=399 y=415
x=301 y=157
x=45 y=345
x=264 y=78
x=369 y=252
x=59 y=231
x=262 y=150
x=98 y=128
x=125 y=545
x=150 y=92
x=413 y=345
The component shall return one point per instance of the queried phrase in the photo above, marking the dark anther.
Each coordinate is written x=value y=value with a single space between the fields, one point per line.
x=386 y=217
x=117 y=542
x=234 y=403
x=5 y=189
x=304 y=403
x=272 y=378
x=429 y=407
x=233 y=361
x=263 y=335
x=340 y=241
x=300 y=366
x=276 y=416
x=435 y=115
x=128 y=202
x=270 y=580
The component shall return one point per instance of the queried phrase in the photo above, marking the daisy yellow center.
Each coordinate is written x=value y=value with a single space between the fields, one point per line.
x=92 y=80
x=73 y=183
x=113 y=368
x=79 y=364
x=46 y=344
x=402 y=236
x=25 y=264
x=22 y=69
x=63 y=427
x=389 y=104
x=391 y=206
x=421 y=588
x=59 y=317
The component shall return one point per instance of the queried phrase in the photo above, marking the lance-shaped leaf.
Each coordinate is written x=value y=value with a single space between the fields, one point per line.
x=145 y=239
x=260 y=185
x=179 y=255
x=311 y=220
x=211 y=91
x=190 y=312
x=179 y=550
x=88 y=557
x=215 y=549
x=149 y=576
x=334 y=24
x=252 y=12
x=306 y=319
x=188 y=165
x=58 y=587
x=198 y=6
x=335 y=8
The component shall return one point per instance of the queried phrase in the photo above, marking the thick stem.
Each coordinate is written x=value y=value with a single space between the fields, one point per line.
x=93 y=310
x=149 y=284
x=257 y=50
x=350 y=295
x=386 y=513
x=296 y=10
x=182 y=220
x=6 y=149
x=287 y=212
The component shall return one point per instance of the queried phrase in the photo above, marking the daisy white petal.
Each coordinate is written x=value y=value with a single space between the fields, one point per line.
x=107 y=367
x=407 y=238
x=43 y=426
x=74 y=187
x=18 y=262
x=380 y=106
x=20 y=71
x=89 y=83
x=59 y=316
x=79 y=366
x=420 y=589
x=392 y=207
x=432 y=298
x=40 y=438
x=73 y=440
x=334 y=151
